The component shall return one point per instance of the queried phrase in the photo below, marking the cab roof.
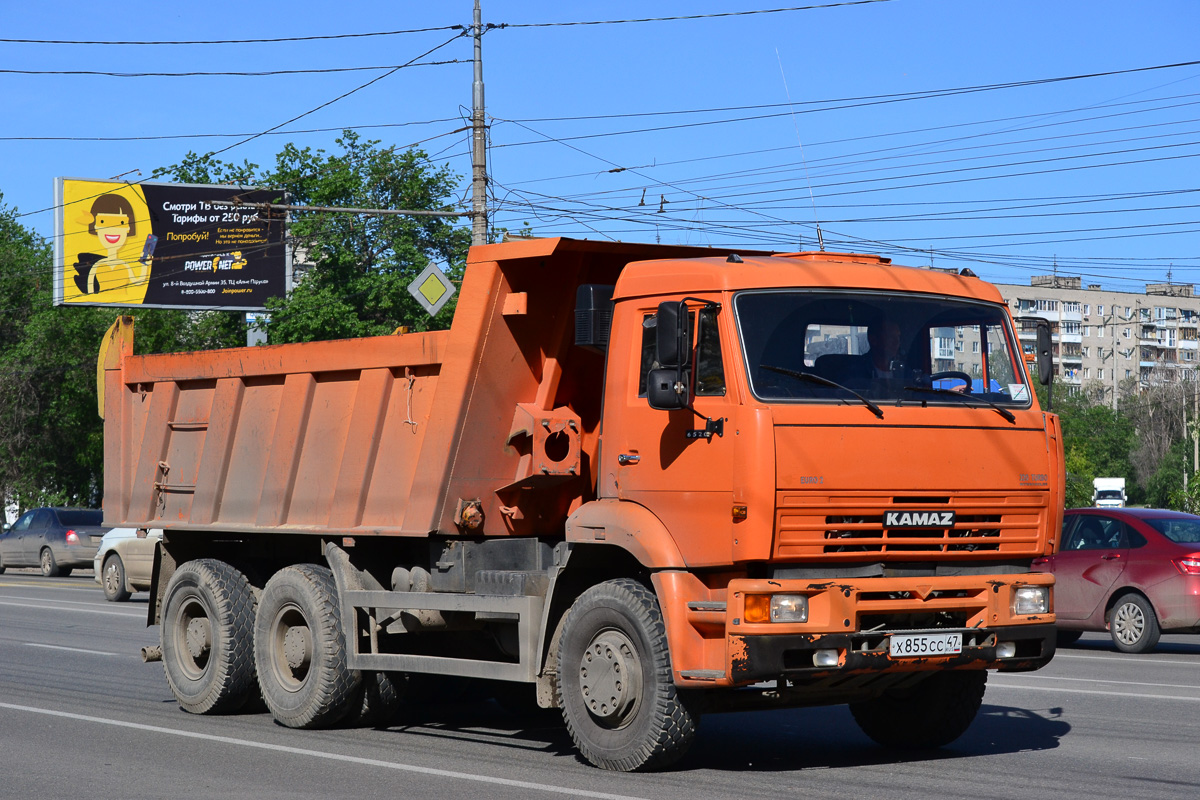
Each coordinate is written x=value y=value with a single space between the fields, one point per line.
x=810 y=270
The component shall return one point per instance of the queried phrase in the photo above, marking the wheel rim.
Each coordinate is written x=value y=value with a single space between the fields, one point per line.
x=610 y=678
x=45 y=562
x=291 y=647
x=193 y=638
x=1129 y=623
x=112 y=578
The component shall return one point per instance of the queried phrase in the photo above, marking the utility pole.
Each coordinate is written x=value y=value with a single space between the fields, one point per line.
x=478 y=142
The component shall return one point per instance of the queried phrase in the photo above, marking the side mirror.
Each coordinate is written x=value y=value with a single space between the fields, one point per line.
x=1045 y=355
x=673 y=335
x=667 y=386
x=667 y=389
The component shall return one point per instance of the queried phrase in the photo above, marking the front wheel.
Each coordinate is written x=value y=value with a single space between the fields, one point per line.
x=207 y=626
x=615 y=684
x=300 y=650
x=1133 y=624
x=931 y=714
x=113 y=575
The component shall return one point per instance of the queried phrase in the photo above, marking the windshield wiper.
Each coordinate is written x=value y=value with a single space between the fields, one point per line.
x=1004 y=412
x=811 y=378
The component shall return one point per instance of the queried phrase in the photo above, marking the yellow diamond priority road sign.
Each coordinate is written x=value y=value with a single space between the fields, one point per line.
x=432 y=289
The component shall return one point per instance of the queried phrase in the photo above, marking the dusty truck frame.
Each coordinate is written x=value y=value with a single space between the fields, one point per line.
x=646 y=482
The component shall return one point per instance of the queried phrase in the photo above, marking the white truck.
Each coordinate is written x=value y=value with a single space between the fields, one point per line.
x=1108 y=492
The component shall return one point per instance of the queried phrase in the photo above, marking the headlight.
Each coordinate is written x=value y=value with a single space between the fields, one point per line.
x=789 y=608
x=1031 y=600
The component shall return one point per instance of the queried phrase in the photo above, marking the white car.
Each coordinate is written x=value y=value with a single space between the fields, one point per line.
x=124 y=563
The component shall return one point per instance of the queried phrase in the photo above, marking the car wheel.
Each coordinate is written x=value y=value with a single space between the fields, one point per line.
x=2 y=567
x=207 y=637
x=49 y=565
x=1133 y=624
x=113 y=575
x=300 y=650
x=931 y=714
x=615 y=685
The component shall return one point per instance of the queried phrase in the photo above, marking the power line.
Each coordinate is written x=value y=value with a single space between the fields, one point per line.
x=684 y=17
x=256 y=74
x=325 y=37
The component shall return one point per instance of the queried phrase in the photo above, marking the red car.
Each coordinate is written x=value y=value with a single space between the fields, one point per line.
x=1134 y=572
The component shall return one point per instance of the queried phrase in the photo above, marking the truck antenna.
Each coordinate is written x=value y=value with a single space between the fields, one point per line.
x=803 y=160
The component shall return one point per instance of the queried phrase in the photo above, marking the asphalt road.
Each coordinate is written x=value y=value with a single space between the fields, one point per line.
x=82 y=716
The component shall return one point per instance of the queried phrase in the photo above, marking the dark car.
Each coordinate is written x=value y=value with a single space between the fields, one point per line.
x=1134 y=572
x=56 y=539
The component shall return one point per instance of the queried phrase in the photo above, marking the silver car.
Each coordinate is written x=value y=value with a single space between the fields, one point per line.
x=56 y=540
x=125 y=561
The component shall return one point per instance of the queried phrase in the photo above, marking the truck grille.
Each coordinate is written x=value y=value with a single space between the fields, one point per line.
x=844 y=527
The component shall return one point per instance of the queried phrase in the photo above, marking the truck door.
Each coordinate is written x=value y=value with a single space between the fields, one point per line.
x=1090 y=562
x=648 y=455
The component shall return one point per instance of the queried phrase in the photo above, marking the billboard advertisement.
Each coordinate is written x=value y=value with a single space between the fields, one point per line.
x=167 y=245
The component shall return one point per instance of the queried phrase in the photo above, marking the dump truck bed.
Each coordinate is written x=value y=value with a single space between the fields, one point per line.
x=390 y=435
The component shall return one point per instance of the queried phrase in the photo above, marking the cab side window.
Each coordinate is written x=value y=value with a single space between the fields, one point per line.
x=710 y=369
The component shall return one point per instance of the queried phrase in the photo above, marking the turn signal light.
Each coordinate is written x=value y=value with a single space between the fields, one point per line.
x=72 y=537
x=1188 y=565
x=758 y=608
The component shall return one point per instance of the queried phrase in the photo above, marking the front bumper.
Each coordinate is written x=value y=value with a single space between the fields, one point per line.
x=854 y=618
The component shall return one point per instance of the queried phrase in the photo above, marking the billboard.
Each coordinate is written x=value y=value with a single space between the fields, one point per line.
x=167 y=245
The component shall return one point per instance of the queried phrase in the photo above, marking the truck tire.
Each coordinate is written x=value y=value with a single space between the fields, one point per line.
x=931 y=714
x=113 y=575
x=615 y=684
x=300 y=650
x=381 y=695
x=207 y=637
x=1133 y=624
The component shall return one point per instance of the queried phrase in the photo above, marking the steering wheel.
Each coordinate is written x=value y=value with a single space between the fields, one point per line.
x=961 y=376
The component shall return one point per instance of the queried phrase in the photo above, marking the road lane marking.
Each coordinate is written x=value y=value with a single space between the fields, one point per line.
x=1063 y=690
x=79 y=607
x=72 y=649
x=300 y=751
x=1122 y=683
x=1127 y=659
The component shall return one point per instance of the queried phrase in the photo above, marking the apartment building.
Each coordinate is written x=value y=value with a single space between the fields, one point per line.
x=1105 y=338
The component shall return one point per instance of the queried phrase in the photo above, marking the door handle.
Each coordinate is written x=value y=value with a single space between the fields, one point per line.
x=625 y=459
x=1110 y=556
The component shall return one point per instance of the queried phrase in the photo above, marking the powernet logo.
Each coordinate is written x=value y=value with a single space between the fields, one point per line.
x=221 y=261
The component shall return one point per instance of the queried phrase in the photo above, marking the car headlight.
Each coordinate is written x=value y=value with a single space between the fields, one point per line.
x=1031 y=600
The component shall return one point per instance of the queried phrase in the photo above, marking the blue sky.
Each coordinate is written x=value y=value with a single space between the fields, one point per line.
x=743 y=129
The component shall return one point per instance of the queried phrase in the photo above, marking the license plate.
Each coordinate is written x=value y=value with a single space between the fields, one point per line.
x=925 y=644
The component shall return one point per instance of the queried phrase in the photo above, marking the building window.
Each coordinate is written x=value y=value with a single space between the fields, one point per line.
x=1125 y=333
x=1087 y=330
x=1099 y=331
x=1100 y=374
x=1086 y=352
x=1128 y=373
x=1047 y=305
x=1071 y=327
x=974 y=347
x=1070 y=306
x=1087 y=373
x=1087 y=309
x=1100 y=310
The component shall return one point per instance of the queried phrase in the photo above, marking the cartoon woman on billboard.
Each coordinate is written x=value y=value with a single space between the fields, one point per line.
x=112 y=277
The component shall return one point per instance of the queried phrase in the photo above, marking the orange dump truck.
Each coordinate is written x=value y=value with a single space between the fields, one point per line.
x=646 y=482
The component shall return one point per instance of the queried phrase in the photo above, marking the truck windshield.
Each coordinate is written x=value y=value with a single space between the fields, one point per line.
x=1109 y=494
x=917 y=348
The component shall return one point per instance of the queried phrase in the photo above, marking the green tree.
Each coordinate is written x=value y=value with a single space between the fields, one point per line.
x=361 y=265
x=1080 y=474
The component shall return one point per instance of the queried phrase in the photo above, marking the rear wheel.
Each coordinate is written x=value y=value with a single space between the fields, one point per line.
x=1133 y=624
x=931 y=714
x=300 y=650
x=615 y=684
x=207 y=637
x=113 y=576
x=49 y=565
